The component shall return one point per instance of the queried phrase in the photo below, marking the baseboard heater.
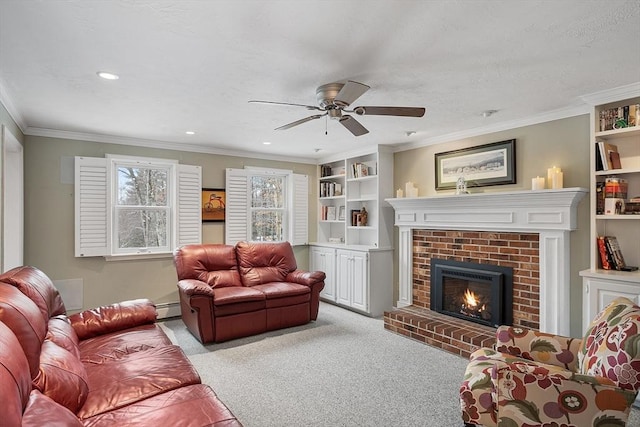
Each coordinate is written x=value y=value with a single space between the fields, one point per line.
x=168 y=309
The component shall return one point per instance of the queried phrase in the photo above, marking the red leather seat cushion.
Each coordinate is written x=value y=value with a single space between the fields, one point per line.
x=195 y=405
x=118 y=344
x=234 y=295
x=137 y=376
x=284 y=294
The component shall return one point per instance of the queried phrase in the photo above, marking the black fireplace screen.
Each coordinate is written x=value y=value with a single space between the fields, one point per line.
x=477 y=292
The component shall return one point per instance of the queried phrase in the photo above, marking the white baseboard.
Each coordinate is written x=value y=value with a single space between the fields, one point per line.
x=168 y=309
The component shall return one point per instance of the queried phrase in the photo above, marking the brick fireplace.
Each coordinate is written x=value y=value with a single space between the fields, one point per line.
x=528 y=231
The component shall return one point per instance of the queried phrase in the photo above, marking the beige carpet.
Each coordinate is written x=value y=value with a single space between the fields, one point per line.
x=343 y=370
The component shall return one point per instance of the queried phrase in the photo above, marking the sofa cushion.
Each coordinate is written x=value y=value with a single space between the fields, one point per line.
x=118 y=344
x=134 y=377
x=234 y=295
x=194 y=405
x=275 y=290
x=41 y=411
x=261 y=263
x=23 y=317
x=61 y=376
x=611 y=346
x=15 y=378
x=38 y=287
x=214 y=265
x=60 y=332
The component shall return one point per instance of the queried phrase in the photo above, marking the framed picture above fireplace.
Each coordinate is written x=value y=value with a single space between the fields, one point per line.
x=480 y=166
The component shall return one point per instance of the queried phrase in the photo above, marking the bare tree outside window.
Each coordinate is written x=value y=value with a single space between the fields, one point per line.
x=268 y=195
x=142 y=207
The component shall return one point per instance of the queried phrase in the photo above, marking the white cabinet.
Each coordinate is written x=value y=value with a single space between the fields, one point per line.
x=359 y=279
x=352 y=279
x=601 y=286
x=323 y=259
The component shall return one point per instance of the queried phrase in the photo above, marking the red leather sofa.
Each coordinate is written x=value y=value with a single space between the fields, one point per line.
x=109 y=366
x=229 y=292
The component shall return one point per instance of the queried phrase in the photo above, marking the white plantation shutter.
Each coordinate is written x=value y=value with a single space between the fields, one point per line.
x=236 y=223
x=300 y=211
x=91 y=197
x=188 y=211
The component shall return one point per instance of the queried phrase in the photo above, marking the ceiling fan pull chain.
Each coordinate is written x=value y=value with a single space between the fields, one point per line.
x=326 y=127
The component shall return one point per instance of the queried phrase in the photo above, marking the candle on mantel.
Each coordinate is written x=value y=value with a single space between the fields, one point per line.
x=554 y=177
x=537 y=183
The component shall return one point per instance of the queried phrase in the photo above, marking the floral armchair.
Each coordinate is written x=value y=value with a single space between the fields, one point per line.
x=537 y=379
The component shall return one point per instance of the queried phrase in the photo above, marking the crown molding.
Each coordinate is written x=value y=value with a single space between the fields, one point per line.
x=164 y=145
x=563 y=113
x=5 y=99
x=610 y=95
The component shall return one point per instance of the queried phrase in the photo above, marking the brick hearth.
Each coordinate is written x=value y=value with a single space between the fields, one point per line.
x=448 y=333
x=517 y=250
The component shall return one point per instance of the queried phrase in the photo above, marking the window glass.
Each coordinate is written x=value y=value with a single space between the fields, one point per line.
x=142 y=208
x=268 y=215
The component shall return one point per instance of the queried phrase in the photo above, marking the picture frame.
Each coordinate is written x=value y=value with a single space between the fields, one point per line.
x=213 y=204
x=341 y=213
x=480 y=166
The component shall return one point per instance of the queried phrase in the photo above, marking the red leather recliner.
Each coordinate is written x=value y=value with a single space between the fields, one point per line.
x=229 y=292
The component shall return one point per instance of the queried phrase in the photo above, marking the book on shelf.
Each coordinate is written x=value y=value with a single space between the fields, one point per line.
x=620 y=117
x=606 y=149
x=605 y=257
x=615 y=160
x=331 y=213
x=615 y=253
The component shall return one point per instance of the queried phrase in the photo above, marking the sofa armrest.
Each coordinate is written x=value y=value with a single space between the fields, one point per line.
x=192 y=287
x=535 y=395
x=112 y=318
x=538 y=346
x=308 y=278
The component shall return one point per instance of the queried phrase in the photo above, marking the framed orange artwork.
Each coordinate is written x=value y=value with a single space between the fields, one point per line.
x=213 y=204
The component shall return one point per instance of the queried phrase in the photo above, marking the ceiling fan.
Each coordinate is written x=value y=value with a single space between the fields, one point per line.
x=333 y=100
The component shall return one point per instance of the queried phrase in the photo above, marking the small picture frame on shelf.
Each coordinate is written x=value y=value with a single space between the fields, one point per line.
x=341 y=212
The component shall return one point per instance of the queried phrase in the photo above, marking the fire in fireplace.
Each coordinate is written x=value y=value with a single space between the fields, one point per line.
x=480 y=293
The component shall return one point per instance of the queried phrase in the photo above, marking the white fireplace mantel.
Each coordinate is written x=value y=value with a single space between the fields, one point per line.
x=551 y=213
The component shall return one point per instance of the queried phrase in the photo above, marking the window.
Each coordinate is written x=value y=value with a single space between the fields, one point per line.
x=266 y=205
x=135 y=206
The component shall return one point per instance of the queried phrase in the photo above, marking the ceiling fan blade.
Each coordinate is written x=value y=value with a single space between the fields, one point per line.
x=390 y=111
x=349 y=93
x=301 y=121
x=308 y=107
x=353 y=126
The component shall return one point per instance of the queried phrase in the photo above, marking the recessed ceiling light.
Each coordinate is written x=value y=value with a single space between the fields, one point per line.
x=190 y=132
x=266 y=143
x=108 y=76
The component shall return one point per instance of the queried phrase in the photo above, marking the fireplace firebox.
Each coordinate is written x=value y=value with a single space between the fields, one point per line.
x=480 y=293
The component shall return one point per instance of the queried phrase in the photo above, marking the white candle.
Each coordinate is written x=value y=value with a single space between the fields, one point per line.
x=399 y=193
x=550 y=172
x=556 y=180
x=537 y=183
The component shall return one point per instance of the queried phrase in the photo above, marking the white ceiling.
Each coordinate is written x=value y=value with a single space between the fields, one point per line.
x=193 y=65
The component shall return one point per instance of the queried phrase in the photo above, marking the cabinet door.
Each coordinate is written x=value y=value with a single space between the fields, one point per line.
x=360 y=282
x=600 y=292
x=322 y=259
x=344 y=274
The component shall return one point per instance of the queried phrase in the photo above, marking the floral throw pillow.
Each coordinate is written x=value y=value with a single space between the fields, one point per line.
x=611 y=346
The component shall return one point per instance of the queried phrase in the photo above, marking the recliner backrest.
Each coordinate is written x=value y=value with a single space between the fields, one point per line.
x=261 y=263
x=213 y=264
